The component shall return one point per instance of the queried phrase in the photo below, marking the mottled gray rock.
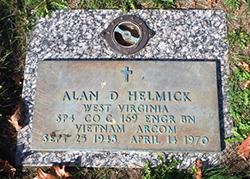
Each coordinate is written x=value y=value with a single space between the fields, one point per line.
x=180 y=34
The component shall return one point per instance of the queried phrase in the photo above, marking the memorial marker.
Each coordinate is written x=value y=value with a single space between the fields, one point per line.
x=121 y=87
x=150 y=105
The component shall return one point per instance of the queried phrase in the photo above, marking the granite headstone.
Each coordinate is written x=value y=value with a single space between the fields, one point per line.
x=170 y=96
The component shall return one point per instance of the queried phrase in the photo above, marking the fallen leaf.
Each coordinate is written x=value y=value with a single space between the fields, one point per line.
x=178 y=5
x=6 y=167
x=211 y=2
x=244 y=149
x=245 y=66
x=55 y=173
x=194 y=3
x=246 y=84
x=17 y=79
x=198 y=166
x=18 y=117
x=60 y=172
x=40 y=174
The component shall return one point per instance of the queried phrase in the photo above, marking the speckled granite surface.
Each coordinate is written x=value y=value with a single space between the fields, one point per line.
x=188 y=34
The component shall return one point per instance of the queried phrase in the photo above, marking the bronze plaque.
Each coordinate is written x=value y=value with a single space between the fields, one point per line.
x=104 y=105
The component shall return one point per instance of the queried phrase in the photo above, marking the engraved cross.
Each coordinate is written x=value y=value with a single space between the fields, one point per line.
x=126 y=72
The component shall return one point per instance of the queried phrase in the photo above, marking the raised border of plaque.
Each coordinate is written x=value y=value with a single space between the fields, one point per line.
x=112 y=105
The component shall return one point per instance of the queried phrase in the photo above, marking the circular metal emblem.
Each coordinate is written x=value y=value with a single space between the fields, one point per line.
x=127 y=34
